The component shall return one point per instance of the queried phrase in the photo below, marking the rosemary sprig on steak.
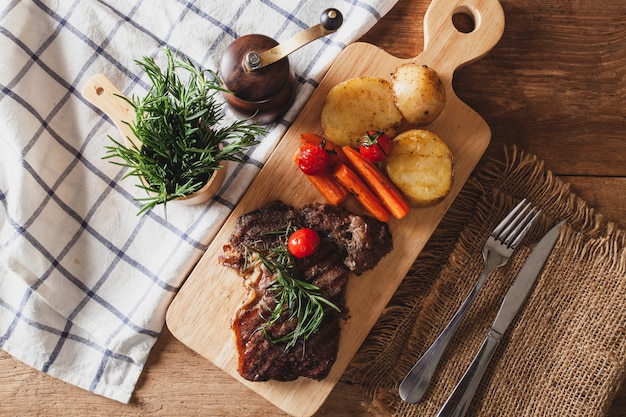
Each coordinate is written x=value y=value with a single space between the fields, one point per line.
x=295 y=298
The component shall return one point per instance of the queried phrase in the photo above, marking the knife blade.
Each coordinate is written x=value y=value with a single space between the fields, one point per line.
x=459 y=400
x=524 y=282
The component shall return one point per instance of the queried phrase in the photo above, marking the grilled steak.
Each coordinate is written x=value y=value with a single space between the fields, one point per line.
x=257 y=228
x=362 y=240
x=347 y=242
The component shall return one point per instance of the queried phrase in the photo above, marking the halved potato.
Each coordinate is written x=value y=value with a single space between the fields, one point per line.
x=421 y=166
x=418 y=93
x=356 y=106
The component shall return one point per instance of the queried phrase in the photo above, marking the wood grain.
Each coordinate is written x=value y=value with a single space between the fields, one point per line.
x=554 y=85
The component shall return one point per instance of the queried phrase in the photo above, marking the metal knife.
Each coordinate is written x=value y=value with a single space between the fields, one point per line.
x=458 y=402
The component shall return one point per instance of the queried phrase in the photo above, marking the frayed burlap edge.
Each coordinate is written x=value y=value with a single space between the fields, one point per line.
x=447 y=268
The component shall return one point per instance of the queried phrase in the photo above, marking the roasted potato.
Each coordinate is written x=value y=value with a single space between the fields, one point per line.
x=421 y=166
x=418 y=93
x=356 y=106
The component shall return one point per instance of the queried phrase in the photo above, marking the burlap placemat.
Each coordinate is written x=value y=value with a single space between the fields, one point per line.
x=565 y=353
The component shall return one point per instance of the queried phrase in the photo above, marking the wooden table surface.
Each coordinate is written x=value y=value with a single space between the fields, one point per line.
x=555 y=86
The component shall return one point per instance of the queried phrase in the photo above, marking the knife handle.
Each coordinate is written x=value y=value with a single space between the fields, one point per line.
x=458 y=402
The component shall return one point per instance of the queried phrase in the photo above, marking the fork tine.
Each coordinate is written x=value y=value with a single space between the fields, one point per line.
x=507 y=220
x=521 y=235
x=516 y=224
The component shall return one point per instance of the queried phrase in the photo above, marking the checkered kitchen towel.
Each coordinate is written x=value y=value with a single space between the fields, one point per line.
x=84 y=281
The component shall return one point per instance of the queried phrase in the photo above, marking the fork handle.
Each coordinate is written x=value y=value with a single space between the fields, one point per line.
x=458 y=402
x=415 y=383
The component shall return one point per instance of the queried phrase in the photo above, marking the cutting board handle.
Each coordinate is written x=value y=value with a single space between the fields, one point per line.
x=440 y=33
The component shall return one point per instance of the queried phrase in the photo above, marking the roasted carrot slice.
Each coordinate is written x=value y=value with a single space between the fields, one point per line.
x=391 y=197
x=350 y=180
x=326 y=184
x=329 y=188
x=334 y=151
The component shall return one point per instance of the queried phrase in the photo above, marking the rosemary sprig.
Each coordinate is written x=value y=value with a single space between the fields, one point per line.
x=295 y=298
x=182 y=135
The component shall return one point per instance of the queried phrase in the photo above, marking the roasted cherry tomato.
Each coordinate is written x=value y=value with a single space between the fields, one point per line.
x=303 y=242
x=374 y=146
x=313 y=159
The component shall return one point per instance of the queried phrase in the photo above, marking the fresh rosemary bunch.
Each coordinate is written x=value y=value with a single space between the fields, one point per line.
x=179 y=126
x=295 y=298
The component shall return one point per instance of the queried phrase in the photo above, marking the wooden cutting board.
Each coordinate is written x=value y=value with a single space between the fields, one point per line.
x=200 y=315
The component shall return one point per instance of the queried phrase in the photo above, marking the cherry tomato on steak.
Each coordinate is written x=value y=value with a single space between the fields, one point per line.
x=303 y=242
x=313 y=159
x=374 y=146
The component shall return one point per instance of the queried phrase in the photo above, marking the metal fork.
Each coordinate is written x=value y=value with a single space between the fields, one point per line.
x=502 y=241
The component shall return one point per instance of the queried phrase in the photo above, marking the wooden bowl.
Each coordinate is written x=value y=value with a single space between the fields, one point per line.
x=102 y=93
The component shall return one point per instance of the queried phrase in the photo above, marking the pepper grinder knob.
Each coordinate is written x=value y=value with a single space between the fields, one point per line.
x=255 y=69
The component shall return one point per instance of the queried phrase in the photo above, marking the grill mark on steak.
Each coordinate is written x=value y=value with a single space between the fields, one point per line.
x=359 y=240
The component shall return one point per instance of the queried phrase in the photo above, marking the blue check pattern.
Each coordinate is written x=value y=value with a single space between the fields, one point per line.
x=84 y=281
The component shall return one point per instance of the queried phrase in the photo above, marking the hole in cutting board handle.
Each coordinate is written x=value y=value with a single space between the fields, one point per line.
x=463 y=20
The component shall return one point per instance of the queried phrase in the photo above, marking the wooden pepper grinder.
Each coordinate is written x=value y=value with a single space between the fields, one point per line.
x=255 y=68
